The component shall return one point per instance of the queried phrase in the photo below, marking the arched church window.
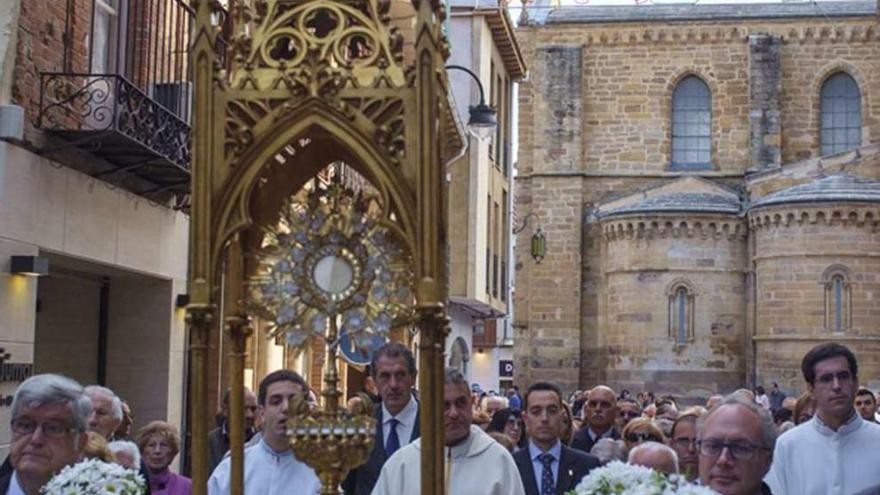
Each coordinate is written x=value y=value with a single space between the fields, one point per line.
x=691 y=125
x=841 y=113
x=681 y=314
x=838 y=299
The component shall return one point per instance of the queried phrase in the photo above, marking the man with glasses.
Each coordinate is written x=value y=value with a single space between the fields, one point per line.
x=600 y=417
x=548 y=467
x=50 y=415
x=836 y=451
x=735 y=442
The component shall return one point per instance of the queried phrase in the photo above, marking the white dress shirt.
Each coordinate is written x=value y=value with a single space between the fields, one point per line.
x=538 y=467
x=406 y=421
x=14 y=487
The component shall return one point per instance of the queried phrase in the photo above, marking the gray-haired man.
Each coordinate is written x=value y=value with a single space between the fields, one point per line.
x=49 y=417
x=106 y=411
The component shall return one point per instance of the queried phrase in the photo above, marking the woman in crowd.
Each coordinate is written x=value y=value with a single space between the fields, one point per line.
x=567 y=425
x=684 y=442
x=761 y=397
x=641 y=430
x=509 y=421
x=159 y=443
x=804 y=408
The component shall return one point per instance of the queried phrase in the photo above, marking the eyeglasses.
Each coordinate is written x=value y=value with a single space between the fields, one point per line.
x=685 y=443
x=51 y=429
x=642 y=437
x=739 y=450
x=629 y=414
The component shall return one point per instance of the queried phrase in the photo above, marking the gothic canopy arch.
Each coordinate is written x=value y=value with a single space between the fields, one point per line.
x=338 y=140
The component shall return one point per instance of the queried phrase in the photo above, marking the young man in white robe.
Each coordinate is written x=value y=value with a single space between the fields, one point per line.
x=475 y=463
x=270 y=467
x=836 y=451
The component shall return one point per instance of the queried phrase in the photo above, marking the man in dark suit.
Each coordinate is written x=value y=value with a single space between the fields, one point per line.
x=546 y=466
x=600 y=419
x=397 y=417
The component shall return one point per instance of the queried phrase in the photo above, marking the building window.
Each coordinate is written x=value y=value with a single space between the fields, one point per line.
x=841 y=111
x=104 y=41
x=838 y=299
x=691 y=125
x=681 y=313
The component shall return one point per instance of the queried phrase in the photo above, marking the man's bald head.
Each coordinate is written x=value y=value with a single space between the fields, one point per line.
x=600 y=411
x=656 y=456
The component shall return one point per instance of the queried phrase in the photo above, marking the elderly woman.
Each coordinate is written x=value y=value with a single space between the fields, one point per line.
x=642 y=430
x=159 y=443
x=509 y=421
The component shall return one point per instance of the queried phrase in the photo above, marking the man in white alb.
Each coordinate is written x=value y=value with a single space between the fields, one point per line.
x=835 y=453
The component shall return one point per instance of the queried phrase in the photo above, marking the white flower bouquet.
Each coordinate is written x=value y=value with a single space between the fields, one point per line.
x=617 y=478
x=95 y=477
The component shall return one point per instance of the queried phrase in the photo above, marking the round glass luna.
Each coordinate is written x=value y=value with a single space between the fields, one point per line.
x=333 y=274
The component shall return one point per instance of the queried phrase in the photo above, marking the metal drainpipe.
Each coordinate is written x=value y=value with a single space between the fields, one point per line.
x=103 y=327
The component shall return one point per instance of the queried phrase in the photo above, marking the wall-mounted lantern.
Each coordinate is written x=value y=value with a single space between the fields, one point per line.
x=539 y=242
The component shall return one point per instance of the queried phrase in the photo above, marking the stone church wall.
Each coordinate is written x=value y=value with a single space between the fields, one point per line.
x=797 y=248
x=594 y=119
x=644 y=260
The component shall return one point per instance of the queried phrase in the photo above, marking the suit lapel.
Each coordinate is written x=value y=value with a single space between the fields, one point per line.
x=415 y=432
x=526 y=471
x=380 y=438
x=563 y=479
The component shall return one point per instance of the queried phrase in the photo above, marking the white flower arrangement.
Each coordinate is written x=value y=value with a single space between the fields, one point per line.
x=618 y=478
x=95 y=477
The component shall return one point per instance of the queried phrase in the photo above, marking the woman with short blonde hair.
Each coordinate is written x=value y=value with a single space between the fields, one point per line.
x=642 y=430
x=159 y=443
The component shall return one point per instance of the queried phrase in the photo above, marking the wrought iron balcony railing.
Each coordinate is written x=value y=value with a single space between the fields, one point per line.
x=126 y=96
x=119 y=122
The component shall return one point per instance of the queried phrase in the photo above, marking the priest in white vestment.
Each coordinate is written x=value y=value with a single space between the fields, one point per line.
x=475 y=463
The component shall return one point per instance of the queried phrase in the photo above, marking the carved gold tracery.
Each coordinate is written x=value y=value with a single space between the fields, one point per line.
x=295 y=86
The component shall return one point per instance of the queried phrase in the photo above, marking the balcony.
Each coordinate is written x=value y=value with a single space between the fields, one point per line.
x=129 y=103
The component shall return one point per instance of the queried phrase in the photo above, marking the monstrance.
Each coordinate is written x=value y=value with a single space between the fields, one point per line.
x=334 y=268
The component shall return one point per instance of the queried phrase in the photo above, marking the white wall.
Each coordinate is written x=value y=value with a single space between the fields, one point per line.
x=49 y=209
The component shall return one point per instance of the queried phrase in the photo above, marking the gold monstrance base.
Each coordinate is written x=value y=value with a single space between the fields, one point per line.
x=332 y=441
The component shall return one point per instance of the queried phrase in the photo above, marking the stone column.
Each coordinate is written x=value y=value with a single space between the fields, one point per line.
x=765 y=72
x=548 y=294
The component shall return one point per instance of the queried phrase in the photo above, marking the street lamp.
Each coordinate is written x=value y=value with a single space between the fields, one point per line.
x=482 y=121
x=539 y=242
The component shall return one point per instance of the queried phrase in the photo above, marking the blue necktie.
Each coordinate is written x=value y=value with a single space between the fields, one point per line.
x=393 y=442
x=548 y=486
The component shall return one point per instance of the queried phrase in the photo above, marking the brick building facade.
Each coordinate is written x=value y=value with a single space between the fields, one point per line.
x=707 y=180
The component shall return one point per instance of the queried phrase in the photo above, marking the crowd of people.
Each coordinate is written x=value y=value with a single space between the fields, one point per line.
x=57 y=422
x=533 y=442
